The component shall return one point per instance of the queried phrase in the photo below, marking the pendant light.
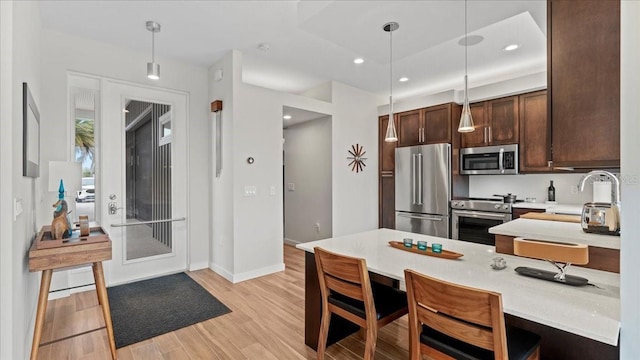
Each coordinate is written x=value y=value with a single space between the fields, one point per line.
x=153 y=69
x=466 y=121
x=391 y=134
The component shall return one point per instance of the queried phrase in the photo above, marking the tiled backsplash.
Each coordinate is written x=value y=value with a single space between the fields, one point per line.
x=532 y=186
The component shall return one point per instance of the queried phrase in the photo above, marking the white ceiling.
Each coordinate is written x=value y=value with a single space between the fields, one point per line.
x=311 y=42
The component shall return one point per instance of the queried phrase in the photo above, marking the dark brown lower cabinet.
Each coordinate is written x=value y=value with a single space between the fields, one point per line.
x=387 y=197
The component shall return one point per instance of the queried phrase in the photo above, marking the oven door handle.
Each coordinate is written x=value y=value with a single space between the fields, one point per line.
x=481 y=215
x=421 y=217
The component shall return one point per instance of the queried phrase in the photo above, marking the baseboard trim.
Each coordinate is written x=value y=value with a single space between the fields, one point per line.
x=248 y=275
x=292 y=242
x=198 y=266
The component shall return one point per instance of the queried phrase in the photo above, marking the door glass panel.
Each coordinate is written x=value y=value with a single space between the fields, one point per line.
x=85 y=149
x=148 y=180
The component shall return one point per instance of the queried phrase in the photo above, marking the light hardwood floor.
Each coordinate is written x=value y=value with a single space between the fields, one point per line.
x=266 y=322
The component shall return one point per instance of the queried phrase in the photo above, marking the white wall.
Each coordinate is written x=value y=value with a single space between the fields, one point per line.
x=254 y=234
x=21 y=56
x=307 y=165
x=222 y=244
x=531 y=185
x=64 y=53
x=630 y=148
x=355 y=195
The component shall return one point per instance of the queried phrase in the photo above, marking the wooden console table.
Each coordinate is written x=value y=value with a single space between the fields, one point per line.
x=71 y=254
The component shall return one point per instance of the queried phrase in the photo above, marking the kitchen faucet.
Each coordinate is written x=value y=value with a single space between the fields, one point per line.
x=615 y=192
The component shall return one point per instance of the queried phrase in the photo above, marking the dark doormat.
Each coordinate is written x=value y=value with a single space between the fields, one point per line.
x=148 y=308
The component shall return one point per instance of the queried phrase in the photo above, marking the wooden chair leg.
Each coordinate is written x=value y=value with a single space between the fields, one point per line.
x=324 y=332
x=370 y=344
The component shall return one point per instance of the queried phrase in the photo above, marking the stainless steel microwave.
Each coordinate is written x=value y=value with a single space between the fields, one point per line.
x=489 y=160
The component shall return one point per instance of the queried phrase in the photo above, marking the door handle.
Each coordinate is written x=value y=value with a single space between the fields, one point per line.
x=419 y=184
x=113 y=208
x=413 y=179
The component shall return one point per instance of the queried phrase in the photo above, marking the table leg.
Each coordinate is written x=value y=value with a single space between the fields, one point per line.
x=43 y=297
x=104 y=301
x=95 y=276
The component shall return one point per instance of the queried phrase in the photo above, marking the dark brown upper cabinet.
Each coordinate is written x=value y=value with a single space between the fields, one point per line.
x=496 y=122
x=410 y=128
x=431 y=125
x=386 y=180
x=535 y=133
x=584 y=82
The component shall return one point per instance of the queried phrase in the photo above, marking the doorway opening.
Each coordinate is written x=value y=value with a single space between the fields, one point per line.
x=307 y=176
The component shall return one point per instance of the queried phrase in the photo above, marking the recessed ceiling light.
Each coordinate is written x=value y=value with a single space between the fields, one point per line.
x=287 y=117
x=471 y=40
x=511 y=47
x=403 y=79
x=358 y=60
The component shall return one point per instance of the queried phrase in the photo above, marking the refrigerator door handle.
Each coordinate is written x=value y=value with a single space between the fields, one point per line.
x=421 y=217
x=413 y=179
x=419 y=184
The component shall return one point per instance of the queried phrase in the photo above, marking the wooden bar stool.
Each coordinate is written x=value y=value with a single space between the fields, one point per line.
x=451 y=321
x=348 y=292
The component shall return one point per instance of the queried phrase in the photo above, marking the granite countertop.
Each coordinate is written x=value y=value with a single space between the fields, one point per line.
x=555 y=231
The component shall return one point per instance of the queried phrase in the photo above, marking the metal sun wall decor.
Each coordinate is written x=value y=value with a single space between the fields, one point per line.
x=357 y=160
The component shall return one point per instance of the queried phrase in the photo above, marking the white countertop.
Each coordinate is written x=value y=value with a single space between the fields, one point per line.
x=551 y=208
x=592 y=312
x=555 y=231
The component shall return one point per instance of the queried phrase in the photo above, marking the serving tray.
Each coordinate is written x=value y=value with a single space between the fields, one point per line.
x=45 y=241
x=445 y=254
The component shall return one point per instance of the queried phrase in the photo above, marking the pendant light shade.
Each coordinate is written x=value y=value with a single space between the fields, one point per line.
x=153 y=69
x=466 y=120
x=391 y=134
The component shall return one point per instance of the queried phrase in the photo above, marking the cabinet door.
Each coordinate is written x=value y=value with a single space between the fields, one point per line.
x=387 y=201
x=535 y=137
x=480 y=121
x=409 y=125
x=503 y=118
x=437 y=124
x=386 y=150
x=584 y=81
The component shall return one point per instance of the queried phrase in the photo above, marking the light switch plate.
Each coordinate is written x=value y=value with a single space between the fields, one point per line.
x=250 y=190
x=17 y=208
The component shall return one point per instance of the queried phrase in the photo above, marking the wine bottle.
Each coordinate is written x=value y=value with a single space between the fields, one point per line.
x=551 y=192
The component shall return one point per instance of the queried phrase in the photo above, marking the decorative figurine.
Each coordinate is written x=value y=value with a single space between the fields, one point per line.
x=60 y=226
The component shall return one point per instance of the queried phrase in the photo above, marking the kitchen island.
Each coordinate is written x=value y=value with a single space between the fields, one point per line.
x=574 y=322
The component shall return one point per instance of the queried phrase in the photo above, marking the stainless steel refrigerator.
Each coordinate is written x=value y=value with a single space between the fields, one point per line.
x=423 y=189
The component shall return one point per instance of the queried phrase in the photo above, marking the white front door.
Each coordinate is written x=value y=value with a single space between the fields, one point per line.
x=143 y=181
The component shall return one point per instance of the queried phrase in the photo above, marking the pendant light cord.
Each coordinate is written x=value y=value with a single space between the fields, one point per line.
x=466 y=40
x=390 y=71
x=153 y=46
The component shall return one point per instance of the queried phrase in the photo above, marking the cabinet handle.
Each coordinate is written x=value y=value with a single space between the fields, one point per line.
x=550 y=163
x=484 y=135
x=490 y=136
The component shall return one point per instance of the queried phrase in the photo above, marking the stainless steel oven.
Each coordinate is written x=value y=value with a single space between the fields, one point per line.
x=472 y=218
